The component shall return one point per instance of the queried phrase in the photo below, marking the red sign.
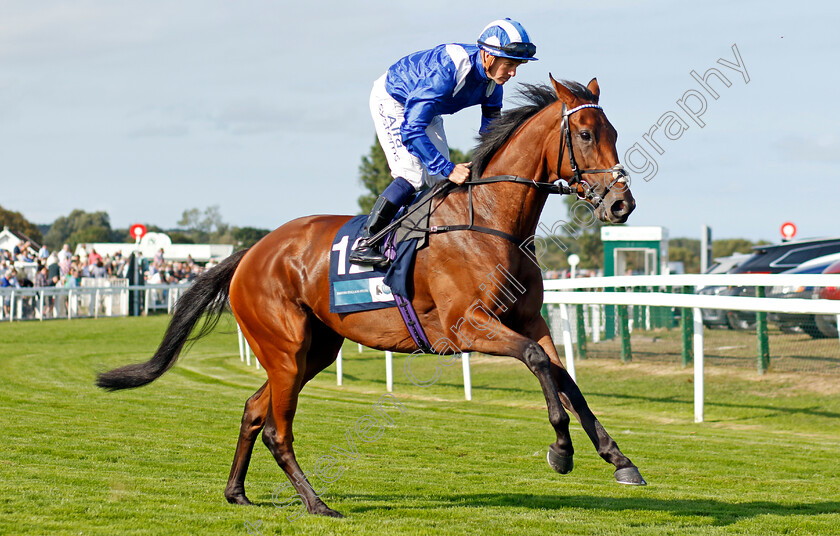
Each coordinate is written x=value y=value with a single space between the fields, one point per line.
x=137 y=231
x=788 y=230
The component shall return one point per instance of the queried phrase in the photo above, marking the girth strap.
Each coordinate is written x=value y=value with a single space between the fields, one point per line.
x=412 y=323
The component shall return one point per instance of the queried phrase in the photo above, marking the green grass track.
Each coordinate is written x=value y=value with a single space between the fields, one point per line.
x=77 y=460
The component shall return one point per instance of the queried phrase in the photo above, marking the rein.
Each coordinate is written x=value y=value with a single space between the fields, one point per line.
x=446 y=186
x=548 y=187
x=620 y=176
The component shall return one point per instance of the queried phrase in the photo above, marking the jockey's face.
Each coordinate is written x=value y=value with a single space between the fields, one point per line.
x=499 y=70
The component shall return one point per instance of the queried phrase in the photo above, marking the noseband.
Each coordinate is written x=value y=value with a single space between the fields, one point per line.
x=619 y=174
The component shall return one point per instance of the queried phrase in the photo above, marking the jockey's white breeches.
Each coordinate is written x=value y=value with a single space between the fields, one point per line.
x=388 y=117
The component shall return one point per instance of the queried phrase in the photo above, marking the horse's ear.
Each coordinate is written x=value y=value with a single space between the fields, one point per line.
x=594 y=89
x=562 y=91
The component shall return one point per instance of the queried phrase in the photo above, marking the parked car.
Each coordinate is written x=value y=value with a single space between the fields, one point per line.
x=726 y=265
x=740 y=319
x=713 y=318
x=774 y=259
x=827 y=324
x=800 y=322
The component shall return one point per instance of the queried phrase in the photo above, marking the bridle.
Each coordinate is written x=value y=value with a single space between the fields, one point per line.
x=619 y=174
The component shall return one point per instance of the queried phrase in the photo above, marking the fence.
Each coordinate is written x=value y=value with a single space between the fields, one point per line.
x=113 y=300
x=602 y=292
x=95 y=298
x=612 y=291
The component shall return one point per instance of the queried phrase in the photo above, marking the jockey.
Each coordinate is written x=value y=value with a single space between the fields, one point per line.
x=406 y=104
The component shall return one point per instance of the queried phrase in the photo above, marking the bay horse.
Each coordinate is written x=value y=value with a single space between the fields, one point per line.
x=278 y=290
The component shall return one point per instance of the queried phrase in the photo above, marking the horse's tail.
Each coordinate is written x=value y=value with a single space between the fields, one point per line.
x=207 y=295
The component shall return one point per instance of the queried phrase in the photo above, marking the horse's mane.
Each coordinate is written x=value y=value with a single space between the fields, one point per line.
x=534 y=98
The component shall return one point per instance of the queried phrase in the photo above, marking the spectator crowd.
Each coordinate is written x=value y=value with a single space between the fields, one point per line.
x=23 y=267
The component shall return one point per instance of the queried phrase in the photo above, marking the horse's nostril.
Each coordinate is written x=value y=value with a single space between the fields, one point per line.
x=619 y=208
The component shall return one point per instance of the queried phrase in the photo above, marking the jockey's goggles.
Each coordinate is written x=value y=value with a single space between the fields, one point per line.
x=522 y=51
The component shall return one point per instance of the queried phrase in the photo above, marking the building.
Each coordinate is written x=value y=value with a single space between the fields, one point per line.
x=9 y=239
x=152 y=242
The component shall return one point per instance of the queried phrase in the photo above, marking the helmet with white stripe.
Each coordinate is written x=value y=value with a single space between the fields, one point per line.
x=507 y=38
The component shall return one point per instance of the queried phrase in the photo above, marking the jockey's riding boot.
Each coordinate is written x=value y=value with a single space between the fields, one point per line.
x=366 y=254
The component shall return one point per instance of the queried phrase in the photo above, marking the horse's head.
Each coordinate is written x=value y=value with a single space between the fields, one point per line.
x=587 y=158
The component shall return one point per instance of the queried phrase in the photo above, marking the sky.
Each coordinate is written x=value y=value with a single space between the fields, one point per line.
x=146 y=109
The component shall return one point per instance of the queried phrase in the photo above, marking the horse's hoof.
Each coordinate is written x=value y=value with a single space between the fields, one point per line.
x=328 y=512
x=239 y=499
x=630 y=476
x=561 y=464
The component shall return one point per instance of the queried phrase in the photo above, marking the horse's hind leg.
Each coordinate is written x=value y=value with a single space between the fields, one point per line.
x=324 y=345
x=277 y=436
x=322 y=352
x=253 y=420
x=283 y=347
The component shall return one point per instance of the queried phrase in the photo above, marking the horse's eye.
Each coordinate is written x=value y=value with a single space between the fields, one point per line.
x=585 y=135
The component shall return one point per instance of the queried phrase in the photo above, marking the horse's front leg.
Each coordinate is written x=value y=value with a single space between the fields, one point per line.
x=572 y=398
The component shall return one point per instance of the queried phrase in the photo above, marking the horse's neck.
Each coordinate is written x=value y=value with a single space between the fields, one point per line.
x=511 y=207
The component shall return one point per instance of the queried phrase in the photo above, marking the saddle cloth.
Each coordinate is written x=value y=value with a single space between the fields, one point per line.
x=363 y=288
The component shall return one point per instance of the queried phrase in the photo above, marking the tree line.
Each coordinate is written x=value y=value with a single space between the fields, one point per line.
x=198 y=226
x=80 y=227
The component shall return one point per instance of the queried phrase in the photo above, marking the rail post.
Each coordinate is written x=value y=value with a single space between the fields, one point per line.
x=624 y=332
x=580 y=328
x=596 y=323
x=465 y=365
x=389 y=371
x=339 y=368
x=763 y=339
x=638 y=313
x=581 y=332
x=567 y=341
x=656 y=321
x=699 y=373
x=687 y=324
x=838 y=326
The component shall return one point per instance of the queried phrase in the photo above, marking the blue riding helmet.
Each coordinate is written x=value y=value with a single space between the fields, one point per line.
x=507 y=38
